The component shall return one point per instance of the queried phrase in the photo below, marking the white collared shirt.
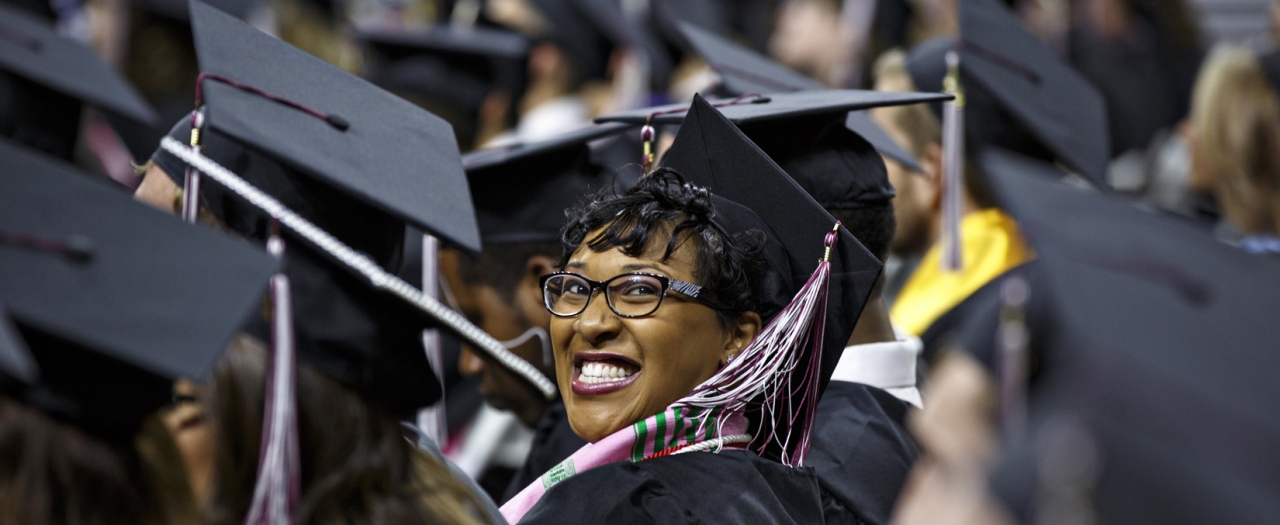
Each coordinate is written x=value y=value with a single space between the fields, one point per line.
x=890 y=366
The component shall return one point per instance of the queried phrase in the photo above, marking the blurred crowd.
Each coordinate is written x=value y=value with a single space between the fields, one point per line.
x=1083 y=347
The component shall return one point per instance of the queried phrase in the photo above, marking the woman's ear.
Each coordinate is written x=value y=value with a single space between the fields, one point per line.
x=746 y=326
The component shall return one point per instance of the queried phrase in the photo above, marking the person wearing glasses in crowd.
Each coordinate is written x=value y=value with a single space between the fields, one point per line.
x=689 y=341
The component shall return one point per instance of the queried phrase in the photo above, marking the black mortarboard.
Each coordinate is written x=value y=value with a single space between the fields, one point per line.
x=711 y=152
x=587 y=31
x=779 y=106
x=521 y=191
x=1167 y=364
x=1020 y=95
x=363 y=141
x=744 y=71
x=448 y=70
x=45 y=75
x=449 y=63
x=805 y=133
x=360 y=180
x=115 y=300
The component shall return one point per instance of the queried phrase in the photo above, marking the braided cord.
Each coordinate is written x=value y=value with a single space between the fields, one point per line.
x=378 y=277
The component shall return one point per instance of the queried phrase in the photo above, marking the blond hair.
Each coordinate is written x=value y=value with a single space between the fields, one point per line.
x=1235 y=114
x=916 y=121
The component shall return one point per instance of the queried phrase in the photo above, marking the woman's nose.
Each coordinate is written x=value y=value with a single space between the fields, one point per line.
x=598 y=323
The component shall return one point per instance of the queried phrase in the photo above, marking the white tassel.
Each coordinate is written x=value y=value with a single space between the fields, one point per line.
x=276 y=489
x=191 y=179
x=952 y=166
x=767 y=370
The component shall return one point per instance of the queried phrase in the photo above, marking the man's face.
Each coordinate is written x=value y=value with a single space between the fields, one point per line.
x=916 y=193
x=504 y=316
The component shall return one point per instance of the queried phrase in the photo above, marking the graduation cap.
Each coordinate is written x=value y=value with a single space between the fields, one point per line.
x=450 y=63
x=587 y=31
x=1019 y=94
x=744 y=71
x=359 y=139
x=346 y=188
x=113 y=300
x=805 y=133
x=1166 y=368
x=46 y=77
x=521 y=191
x=756 y=194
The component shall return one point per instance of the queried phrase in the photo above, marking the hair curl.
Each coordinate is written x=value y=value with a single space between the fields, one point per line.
x=663 y=204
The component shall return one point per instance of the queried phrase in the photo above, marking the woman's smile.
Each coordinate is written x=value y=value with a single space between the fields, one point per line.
x=599 y=373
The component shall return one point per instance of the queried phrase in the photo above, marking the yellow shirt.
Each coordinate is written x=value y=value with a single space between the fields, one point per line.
x=990 y=245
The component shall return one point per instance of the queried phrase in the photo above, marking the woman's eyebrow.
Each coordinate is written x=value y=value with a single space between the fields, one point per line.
x=637 y=267
x=576 y=265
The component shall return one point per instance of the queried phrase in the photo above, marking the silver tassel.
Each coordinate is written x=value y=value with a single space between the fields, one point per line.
x=952 y=166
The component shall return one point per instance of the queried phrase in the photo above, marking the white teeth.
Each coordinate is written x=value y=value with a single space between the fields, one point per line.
x=597 y=372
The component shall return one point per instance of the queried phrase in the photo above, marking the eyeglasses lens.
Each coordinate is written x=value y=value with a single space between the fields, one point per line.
x=635 y=295
x=628 y=295
x=566 y=294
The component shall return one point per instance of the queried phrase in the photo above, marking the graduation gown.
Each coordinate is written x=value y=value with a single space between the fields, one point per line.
x=553 y=441
x=732 y=487
x=932 y=299
x=861 y=451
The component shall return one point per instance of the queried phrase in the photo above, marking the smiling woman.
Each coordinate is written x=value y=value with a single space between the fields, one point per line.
x=691 y=321
x=646 y=345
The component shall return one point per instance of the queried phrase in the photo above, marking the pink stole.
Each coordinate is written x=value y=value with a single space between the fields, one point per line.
x=660 y=434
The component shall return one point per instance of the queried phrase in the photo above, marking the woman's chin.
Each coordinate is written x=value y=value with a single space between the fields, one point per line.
x=594 y=423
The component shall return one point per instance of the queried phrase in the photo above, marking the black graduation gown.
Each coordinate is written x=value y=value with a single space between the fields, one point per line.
x=731 y=487
x=974 y=327
x=553 y=441
x=861 y=451
x=979 y=305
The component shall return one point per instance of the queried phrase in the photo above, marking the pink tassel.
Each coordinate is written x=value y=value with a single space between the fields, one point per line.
x=766 y=370
x=952 y=166
x=275 y=493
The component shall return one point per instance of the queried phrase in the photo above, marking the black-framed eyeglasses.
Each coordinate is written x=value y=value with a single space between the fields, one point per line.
x=635 y=294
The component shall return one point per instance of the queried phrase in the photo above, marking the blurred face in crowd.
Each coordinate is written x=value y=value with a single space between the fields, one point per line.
x=917 y=205
x=614 y=371
x=957 y=437
x=507 y=315
x=187 y=424
x=1233 y=140
x=158 y=191
x=808 y=38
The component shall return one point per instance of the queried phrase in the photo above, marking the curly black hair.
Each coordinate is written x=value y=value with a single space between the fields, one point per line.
x=730 y=267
